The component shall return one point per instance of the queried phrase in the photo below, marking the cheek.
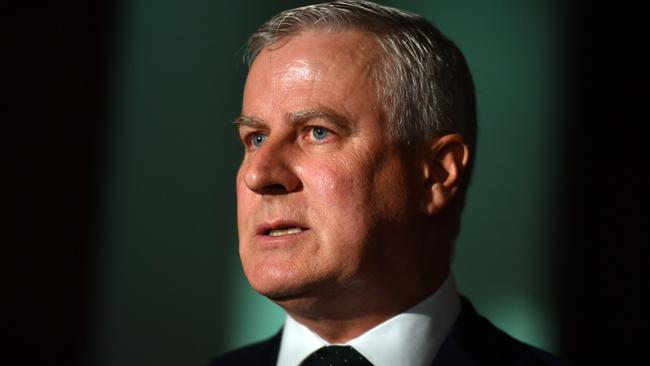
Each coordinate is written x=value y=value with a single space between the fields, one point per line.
x=357 y=192
x=244 y=204
x=331 y=182
x=337 y=192
x=239 y=185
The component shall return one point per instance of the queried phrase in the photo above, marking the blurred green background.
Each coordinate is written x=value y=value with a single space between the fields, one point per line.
x=170 y=289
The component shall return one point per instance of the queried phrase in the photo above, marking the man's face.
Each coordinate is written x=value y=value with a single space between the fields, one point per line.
x=322 y=192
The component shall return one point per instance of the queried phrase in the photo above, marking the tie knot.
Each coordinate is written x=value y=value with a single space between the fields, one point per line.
x=336 y=356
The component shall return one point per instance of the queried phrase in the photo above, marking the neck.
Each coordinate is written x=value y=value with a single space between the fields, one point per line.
x=338 y=318
x=339 y=331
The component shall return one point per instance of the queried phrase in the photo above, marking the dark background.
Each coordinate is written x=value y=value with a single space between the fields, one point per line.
x=59 y=85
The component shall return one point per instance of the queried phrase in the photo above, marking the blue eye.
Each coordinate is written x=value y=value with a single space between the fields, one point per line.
x=319 y=133
x=258 y=139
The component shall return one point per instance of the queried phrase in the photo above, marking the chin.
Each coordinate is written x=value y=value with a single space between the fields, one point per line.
x=282 y=283
x=299 y=299
x=275 y=290
x=284 y=293
x=273 y=281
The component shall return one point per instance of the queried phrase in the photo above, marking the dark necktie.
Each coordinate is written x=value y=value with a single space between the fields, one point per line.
x=336 y=356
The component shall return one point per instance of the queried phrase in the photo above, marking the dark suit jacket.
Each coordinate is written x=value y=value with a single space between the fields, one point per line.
x=473 y=341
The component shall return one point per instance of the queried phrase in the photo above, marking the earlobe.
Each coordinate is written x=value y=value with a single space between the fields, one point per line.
x=444 y=165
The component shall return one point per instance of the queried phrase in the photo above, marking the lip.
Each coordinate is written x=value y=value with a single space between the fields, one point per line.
x=268 y=241
x=264 y=228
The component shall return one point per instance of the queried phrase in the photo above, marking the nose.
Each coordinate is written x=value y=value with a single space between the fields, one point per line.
x=270 y=170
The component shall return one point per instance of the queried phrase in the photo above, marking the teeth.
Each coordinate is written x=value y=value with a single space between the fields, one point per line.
x=287 y=231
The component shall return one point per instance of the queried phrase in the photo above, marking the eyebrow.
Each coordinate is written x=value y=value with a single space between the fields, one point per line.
x=328 y=114
x=244 y=120
x=300 y=117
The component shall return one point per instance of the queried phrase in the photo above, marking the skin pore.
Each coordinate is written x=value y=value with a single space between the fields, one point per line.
x=339 y=224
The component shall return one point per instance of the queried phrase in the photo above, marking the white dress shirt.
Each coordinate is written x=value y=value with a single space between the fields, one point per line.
x=411 y=338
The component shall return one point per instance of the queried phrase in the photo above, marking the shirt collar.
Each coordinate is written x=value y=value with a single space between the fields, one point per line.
x=411 y=338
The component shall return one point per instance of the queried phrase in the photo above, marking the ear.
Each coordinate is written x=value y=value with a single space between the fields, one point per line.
x=444 y=165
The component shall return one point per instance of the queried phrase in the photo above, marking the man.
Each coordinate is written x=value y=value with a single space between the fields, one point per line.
x=359 y=126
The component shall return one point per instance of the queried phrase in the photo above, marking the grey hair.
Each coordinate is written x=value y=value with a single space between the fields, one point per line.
x=422 y=78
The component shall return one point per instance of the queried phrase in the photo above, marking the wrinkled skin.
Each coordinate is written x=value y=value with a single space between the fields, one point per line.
x=318 y=157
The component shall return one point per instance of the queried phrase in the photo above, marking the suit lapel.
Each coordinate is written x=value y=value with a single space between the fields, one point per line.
x=271 y=349
x=475 y=341
x=457 y=348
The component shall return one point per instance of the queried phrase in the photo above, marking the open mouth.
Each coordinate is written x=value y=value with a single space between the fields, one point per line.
x=281 y=228
x=290 y=230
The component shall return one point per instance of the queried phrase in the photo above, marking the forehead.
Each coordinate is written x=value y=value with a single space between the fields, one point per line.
x=313 y=66
x=344 y=47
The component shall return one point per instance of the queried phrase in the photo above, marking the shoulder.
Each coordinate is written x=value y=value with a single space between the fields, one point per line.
x=260 y=353
x=476 y=341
